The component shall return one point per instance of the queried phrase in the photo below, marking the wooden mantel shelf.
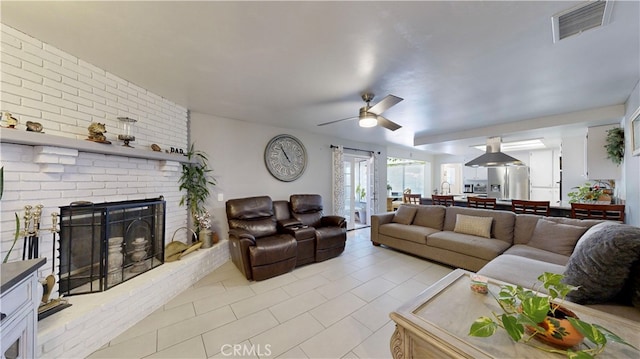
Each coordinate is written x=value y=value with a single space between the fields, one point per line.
x=22 y=137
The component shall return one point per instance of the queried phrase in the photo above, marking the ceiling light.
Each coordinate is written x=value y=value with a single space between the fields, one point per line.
x=368 y=120
x=517 y=145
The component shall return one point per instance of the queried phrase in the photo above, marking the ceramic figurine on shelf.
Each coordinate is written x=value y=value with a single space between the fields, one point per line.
x=12 y=122
x=34 y=126
x=96 y=133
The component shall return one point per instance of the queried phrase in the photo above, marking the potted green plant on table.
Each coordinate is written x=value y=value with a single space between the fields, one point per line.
x=588 y=193
x=195 y=180
x=527 y=314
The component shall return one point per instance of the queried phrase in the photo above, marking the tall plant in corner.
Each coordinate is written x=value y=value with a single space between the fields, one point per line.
x=195 y=180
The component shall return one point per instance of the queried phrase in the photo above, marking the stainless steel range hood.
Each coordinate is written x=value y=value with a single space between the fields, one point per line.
x=493 y=157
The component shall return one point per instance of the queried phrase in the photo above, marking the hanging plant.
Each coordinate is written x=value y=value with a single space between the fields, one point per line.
x=615 y=145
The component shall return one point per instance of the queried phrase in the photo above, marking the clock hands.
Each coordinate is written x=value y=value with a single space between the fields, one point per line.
x=285 y=154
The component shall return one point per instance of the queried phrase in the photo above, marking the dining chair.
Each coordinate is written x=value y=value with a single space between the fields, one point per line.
x=612 y=212
x=411 y=198
x=446 y=200
x=531 y=207
x=481 y=202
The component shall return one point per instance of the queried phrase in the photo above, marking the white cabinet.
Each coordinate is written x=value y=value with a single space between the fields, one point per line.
x=597 y=165
x=474 y=173
x=19 y=308
x=544 y=175
x=541 y=168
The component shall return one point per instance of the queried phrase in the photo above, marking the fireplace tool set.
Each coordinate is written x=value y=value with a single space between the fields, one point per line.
x=31 y=249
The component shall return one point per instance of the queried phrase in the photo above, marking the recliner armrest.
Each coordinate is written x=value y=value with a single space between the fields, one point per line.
x=333 y=221
x=242 y=234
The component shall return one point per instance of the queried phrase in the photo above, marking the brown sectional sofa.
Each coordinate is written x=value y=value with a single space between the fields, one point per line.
x=514 y=248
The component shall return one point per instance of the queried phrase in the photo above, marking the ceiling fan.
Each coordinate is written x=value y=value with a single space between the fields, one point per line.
x=370 y=115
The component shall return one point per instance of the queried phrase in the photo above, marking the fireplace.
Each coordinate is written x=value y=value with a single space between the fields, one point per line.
x=103 y=245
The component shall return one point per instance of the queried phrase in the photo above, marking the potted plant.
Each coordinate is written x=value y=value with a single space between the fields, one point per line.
x=588 y=193
x=615 y=145
x=195 y=180
x=362 y=205
x=527 y=314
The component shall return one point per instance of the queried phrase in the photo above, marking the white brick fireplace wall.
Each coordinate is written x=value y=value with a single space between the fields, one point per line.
x=65 y=94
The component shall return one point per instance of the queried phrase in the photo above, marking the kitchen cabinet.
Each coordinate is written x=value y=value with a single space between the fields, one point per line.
x=545 y=194
x=544 y=175
x=19 y=307
x=474 y=174
x=597 y=165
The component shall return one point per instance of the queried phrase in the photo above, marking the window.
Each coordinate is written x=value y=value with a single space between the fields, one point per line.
x=406 y=174
x=451 y=178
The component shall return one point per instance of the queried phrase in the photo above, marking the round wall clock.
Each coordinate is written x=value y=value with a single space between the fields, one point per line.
x=285 y=158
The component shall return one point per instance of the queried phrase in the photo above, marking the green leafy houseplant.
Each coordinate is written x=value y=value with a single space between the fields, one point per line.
x=360 y=192
x=586 y=193
x=195 y=180
x=615 y=145
x=527 y=314
x=15 y=239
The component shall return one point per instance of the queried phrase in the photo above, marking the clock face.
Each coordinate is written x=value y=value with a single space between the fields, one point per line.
x=285 y=158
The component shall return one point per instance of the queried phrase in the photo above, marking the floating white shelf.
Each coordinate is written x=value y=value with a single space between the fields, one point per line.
x=22 y=137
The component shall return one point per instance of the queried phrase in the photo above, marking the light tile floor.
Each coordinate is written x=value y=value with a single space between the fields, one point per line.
x=338 y=308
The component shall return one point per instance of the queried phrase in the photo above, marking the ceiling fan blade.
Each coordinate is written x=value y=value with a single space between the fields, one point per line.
x=385 y=104
x=388 y=124
x=343 y=119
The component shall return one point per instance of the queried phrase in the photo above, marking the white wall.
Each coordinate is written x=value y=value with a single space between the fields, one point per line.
x=573 y=162
x=631 y=165
x=236 y=154
x=65 y=94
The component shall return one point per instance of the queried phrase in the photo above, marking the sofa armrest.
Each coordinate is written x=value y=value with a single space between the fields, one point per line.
x=376 y=221
x=333 y=221
x=383 y=218
x=289 y=222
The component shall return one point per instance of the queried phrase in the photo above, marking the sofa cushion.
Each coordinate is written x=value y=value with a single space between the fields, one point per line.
x=404 y=215
x=430 y=216
x=474 y=225
x=602 y=261
x=503 y=221
x=524 y=250
x=526 y=224
x=411 y=233
x=556 y=237
x=519 y=270
x=479 y=247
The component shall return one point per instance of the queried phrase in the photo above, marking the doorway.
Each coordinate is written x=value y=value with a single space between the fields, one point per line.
x=357 y=190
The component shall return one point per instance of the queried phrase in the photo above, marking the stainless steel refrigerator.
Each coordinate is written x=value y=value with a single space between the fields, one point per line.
x=509 y=182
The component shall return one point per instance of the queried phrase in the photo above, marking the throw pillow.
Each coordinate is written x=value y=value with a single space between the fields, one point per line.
x=555 y=237
x=474 y=225
x=404 y=215
x=602 y=261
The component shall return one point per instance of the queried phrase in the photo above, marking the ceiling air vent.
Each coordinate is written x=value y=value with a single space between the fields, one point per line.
x=581 y=18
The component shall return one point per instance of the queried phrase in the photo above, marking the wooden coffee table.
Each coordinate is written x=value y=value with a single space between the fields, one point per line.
x=436 y=325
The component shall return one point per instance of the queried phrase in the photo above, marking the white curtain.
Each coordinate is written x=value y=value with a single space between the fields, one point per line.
x=338 y=181
x=374 y=183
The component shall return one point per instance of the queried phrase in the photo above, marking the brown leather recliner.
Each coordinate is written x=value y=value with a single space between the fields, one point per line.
x=255 y=245
x=330 y=231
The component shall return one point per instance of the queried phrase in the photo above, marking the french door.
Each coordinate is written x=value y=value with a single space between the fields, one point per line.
x=358 y=190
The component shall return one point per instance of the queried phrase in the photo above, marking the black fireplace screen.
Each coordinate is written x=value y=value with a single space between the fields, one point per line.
x=103 y=245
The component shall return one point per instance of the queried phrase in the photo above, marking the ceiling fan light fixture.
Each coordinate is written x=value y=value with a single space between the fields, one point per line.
x=368 y=120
